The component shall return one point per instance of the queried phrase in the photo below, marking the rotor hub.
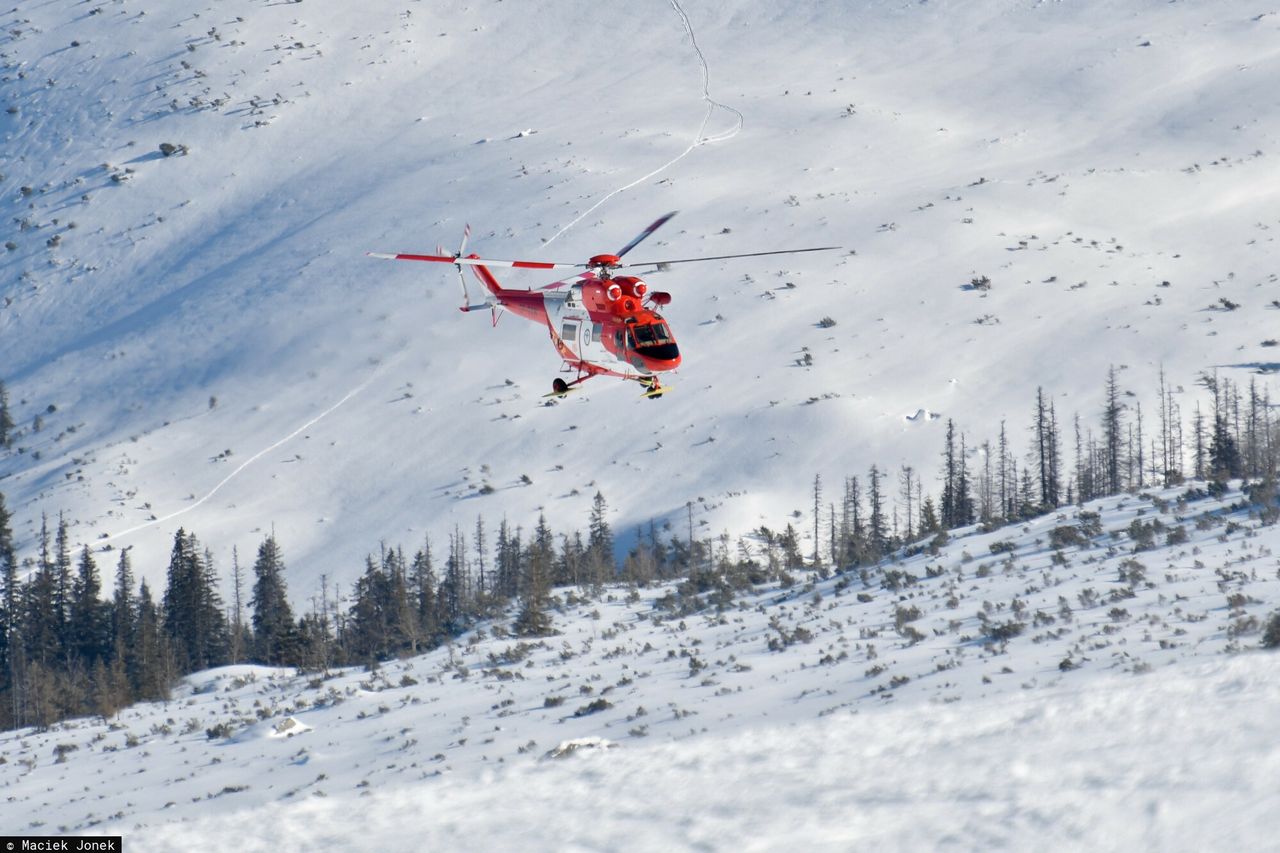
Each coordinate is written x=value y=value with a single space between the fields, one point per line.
x=605 y=262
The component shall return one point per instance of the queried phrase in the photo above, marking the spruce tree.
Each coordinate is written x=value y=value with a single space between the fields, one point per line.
x=484 y=583
x=950 y=480
x=600 y=565
x=90 y=619
x=62 y=589
x=10 y=598
x=535 y=587
x=423 y=584
x=402 y=616
x=369 y=627
x=929 y=517
x=241 y=636
x=877 y=530
x=508 y=561
x=40 y=625
x=6 y=421
x=150 y=663
x=576 y=565
x=192 y=609
x=1112 y=435
x=123 y=615
x=273 y=627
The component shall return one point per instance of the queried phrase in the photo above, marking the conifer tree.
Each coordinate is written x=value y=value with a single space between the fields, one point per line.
x=877 y=529
x=90 y=620
x=369 y=626
x=6 y=421
x=1005 y=487
x=40 y=625
x=402 y=616
x=123 y=614
x=576 y=565
x=61 y=607
x=854 y=531
x=453 y=590
x=192 y=609
x=422 y=579
x=484 y=583
x=929 y=522
x=273 y=627
x=535 y=587
x=817 y=521
x=1046 y=451
x=10 y=602
x=150 y=665
x=1224 y=447
x=950 y=479
x=508 y=561
x=241 y=637
x=1112 y=435
x=600 y=565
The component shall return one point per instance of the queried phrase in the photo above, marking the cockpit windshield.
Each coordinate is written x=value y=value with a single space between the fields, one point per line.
x=651 y=335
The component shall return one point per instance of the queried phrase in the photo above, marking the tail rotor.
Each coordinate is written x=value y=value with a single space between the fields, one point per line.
x=462 y=279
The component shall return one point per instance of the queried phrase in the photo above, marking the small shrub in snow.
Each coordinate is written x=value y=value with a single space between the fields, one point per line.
x=221 y=730
x=1004 y=631
x=1066 y=536
x=593 y=708
x=1271 y=634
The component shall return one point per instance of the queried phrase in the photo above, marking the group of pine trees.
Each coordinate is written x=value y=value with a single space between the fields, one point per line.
x=65 y=650
x=989 y=483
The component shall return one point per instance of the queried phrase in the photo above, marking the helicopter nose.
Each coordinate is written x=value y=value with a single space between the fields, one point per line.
x=662 y=356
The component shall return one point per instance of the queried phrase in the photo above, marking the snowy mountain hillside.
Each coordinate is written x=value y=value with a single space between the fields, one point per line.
x=202 y=341
x=1084 y=681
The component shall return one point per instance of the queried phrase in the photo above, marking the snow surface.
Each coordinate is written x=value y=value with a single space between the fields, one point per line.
x=1184 y=762
x=1079 y=154
x=637 y=728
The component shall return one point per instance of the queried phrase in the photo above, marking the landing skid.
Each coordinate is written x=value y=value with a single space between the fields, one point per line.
x=653 y=390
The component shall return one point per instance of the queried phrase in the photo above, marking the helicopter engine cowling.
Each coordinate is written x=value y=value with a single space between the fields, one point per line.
x=660 y=297
x=632 y=286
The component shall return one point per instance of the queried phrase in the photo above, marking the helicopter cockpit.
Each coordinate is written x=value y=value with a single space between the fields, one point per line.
x=653 y=340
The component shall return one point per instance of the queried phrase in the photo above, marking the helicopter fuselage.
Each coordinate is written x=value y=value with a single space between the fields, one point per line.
x=597 y=325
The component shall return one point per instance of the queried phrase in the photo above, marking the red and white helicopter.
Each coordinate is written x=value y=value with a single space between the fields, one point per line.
x=600 y=323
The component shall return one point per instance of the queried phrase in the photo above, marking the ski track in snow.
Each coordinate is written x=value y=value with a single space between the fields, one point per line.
x=254 y=458
x=698 y=138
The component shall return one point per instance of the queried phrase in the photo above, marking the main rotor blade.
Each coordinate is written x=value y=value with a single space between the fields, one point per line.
x=726 y=257
x=477 y=262
x=662 y=220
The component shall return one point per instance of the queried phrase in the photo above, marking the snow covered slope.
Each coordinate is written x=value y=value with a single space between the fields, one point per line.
x=998 y=692
x=207 y=345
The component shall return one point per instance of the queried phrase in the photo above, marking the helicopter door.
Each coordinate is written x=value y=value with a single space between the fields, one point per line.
x=569 y=331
